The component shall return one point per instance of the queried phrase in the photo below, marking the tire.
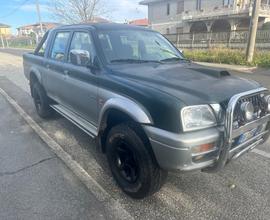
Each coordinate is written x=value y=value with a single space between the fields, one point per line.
x=131 y=162
x=41 y=101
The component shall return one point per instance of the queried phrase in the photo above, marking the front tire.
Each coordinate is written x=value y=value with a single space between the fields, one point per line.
x=41 y=101
x=131 y=162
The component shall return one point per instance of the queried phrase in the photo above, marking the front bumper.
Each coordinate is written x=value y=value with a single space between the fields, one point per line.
x=174 y=151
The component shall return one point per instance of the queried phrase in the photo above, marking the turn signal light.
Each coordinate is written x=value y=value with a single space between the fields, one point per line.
x=204 y=148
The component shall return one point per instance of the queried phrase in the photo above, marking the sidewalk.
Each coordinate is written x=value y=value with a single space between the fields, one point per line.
x=34 y=183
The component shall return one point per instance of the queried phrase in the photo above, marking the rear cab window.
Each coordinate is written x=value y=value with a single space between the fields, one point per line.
x=40 y=51
x=59 y=46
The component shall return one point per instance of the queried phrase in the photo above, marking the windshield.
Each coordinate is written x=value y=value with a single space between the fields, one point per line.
x=137 y=46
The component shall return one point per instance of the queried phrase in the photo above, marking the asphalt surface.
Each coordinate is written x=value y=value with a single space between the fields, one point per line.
x=34 y=183
x=17 y=52
x=240 y=191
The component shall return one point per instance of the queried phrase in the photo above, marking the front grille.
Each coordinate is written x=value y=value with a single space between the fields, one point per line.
x=260 y=109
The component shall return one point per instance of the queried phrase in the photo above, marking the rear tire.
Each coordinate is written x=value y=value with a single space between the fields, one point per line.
x=41 y=101
x=131 y=162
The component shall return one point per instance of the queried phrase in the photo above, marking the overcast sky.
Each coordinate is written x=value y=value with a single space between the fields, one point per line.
x=20 y=12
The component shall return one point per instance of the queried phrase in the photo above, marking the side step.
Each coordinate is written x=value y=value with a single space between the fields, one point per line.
x=86 y=126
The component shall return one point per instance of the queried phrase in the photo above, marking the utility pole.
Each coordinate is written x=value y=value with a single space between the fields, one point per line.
x=39 y=16
x=253 y=30
x=2 y=41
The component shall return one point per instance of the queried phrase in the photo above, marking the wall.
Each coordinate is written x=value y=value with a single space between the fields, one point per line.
x=5 y=31
x=160 y=21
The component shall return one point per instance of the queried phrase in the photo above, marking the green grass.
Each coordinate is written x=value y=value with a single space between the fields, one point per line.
x=229 y=56
x=22 y=46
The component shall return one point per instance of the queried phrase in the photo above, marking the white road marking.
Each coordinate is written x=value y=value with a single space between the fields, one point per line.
x=100 y=193
x=262 y=153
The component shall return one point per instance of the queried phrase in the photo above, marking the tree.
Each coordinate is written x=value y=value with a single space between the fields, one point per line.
x=77 y=11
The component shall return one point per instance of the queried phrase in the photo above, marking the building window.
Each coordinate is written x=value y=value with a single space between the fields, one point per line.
x=199 y=4
x=168 y=8
x=180 y=7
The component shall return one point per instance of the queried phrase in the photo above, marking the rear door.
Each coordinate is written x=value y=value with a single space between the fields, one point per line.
x=54 y=66
x=80 y=85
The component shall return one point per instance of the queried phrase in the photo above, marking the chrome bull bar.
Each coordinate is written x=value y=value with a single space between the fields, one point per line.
x=226 y=152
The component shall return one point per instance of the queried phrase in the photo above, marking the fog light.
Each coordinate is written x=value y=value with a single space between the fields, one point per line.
x=248 y=110
x=204 y=148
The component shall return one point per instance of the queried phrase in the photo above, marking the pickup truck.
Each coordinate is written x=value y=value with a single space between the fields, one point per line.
x=149 y=108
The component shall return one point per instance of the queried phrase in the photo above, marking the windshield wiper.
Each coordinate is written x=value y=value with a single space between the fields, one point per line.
x=174 y=59
x=134 y=61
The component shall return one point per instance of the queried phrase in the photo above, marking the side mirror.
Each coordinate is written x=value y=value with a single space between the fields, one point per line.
x=80 y=57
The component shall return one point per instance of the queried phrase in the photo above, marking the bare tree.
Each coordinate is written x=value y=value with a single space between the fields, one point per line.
x=77 y=11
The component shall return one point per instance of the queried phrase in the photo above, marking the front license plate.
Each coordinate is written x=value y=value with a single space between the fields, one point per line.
x=248 y=135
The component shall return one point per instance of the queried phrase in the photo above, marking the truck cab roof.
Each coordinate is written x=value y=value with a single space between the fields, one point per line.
x=102 y=26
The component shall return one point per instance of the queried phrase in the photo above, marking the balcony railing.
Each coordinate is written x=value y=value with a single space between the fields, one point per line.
x=265 y=10
x=219 y=12
x=191 y=15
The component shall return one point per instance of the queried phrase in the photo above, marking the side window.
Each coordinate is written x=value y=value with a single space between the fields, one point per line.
x=82 y=45
x=59 y=46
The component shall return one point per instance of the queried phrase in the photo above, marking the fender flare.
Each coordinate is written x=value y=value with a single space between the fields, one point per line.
x=134 y=110
x=36 y=72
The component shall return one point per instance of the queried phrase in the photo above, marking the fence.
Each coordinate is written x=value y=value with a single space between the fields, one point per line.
x=20 y=42
x=233 y=39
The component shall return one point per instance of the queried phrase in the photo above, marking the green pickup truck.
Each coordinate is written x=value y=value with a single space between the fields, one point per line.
x=150 y=109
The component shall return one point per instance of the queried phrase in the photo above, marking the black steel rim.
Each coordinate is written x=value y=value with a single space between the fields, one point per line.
x=37 y=101
x=126 y=162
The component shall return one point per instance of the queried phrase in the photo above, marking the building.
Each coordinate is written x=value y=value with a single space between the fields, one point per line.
x=99 y=20
x=196 y=16
x=27 y=30
x=5 y=30
x=140 y=22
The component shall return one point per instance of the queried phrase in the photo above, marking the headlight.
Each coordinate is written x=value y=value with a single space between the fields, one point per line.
x=197 y=117
x=248 y=110
x=267 y=101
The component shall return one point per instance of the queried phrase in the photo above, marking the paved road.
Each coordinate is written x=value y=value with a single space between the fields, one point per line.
x=185 y=196
x=34 y=183
x=16 y=52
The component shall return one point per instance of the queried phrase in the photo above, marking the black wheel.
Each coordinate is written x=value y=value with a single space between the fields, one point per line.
x=131 y=162
x=41 y=101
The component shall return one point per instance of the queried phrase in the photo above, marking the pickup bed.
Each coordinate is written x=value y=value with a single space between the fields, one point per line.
x=150 y=109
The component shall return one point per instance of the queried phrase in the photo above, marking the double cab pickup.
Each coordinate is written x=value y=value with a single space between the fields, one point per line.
x=150 y=109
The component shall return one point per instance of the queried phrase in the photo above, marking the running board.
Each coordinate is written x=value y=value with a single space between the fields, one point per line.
x=77 y=120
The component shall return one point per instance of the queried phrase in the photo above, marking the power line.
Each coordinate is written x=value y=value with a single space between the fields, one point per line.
x=15 y=9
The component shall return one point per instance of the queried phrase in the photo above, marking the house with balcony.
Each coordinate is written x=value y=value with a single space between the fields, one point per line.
x=203 y=16
x=28 y=30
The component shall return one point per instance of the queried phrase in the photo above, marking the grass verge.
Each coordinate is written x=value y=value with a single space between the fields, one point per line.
x=229 y=56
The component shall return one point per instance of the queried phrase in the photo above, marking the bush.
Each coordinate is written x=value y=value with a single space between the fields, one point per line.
x=228 y=56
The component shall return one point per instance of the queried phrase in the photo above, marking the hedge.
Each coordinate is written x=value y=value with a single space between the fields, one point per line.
x=228 y=56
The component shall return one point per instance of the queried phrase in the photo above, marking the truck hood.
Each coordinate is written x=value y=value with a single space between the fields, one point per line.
x=191 y=83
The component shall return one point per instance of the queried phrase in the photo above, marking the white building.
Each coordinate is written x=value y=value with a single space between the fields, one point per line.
x=193 y=16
